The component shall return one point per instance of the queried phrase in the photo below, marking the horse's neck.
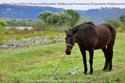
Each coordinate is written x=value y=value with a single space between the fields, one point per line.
x=75 y=29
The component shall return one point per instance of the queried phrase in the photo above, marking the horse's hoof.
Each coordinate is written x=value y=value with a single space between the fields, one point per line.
x=90 y=73
x=84 y=74
x=105 y=70
x=110 y=69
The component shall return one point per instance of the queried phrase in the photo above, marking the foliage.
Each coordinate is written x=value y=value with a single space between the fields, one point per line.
x=2 y=24
x=74 y=17
x=19 y=22
x=122 y=18
x=45 y=15
x=58 y=18
x=70 y=17
x=39 y=25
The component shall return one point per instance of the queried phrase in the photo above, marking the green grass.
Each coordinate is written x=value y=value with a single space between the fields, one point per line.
x=36 y=64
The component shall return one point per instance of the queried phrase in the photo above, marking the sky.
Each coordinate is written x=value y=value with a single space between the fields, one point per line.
x=71 y=4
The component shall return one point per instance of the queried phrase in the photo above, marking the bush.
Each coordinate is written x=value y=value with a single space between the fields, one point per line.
x=39 y=25
x=2 y=25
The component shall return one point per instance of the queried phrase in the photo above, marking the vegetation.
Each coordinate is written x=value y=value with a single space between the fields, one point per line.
x=70 y=17
x=39 y=25
x=36 y=64
x=118 y=23
x=19 y=22
x=74 y=17
x=122 y=18
x=2 y=25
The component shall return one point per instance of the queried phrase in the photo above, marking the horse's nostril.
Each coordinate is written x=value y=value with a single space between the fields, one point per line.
x=68 y=52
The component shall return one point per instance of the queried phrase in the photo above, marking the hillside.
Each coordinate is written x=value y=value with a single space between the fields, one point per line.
x=103 y=13
x=24 y=12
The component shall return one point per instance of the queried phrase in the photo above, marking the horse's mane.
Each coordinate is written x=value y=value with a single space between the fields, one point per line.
x=91 y=23
x=76 y=27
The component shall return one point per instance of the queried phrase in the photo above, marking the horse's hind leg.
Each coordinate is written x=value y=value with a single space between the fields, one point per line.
x=110 y=53
x=106 y=58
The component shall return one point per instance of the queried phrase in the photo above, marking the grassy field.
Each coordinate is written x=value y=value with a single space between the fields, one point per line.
x=36 y=64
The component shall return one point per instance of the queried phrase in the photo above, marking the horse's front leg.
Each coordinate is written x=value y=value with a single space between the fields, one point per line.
x=91 y=53
x=84 y=60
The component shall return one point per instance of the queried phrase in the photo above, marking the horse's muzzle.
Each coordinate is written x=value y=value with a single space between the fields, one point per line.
x=68 y=52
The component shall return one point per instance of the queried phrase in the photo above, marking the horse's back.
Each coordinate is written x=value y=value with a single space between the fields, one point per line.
x=91 y=36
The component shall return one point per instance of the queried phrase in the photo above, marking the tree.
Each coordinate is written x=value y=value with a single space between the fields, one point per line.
x=74 y=17
x=44 y=15
x=70 y=17
x=64 y=18
x=122 y=18
x=2 y=25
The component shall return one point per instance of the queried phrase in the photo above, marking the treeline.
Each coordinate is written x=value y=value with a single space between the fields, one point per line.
x=50 y=21
x=58 y=21
x=68 y=17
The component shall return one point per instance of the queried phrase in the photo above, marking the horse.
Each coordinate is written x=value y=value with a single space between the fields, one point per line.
x=89 y=37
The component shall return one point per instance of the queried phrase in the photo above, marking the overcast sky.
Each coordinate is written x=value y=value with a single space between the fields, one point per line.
x=73 y=4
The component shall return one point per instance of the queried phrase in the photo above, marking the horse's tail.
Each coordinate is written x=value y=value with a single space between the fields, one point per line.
x=113 y=31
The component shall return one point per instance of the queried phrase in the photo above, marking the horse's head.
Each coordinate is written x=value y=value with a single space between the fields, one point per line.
x=70 y=41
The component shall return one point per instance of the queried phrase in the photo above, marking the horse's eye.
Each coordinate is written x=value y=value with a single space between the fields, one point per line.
x=68 y=35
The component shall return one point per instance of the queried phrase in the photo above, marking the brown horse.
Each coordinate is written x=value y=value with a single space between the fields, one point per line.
x=90 y=37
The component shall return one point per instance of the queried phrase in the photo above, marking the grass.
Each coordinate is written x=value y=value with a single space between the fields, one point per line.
x=36 y=64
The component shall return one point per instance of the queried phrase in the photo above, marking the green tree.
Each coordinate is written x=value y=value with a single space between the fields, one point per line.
x=2 y=25
x=64 y=18
x=74 y=17
x=70 y=17
x=122 y=18
x=53 y=19
x=44 y=15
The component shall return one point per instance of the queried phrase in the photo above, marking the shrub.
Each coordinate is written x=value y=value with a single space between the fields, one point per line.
x=2 y=25
x=39 y=25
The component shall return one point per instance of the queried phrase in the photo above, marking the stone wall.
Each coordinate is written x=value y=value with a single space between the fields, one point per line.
x=28 y=42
